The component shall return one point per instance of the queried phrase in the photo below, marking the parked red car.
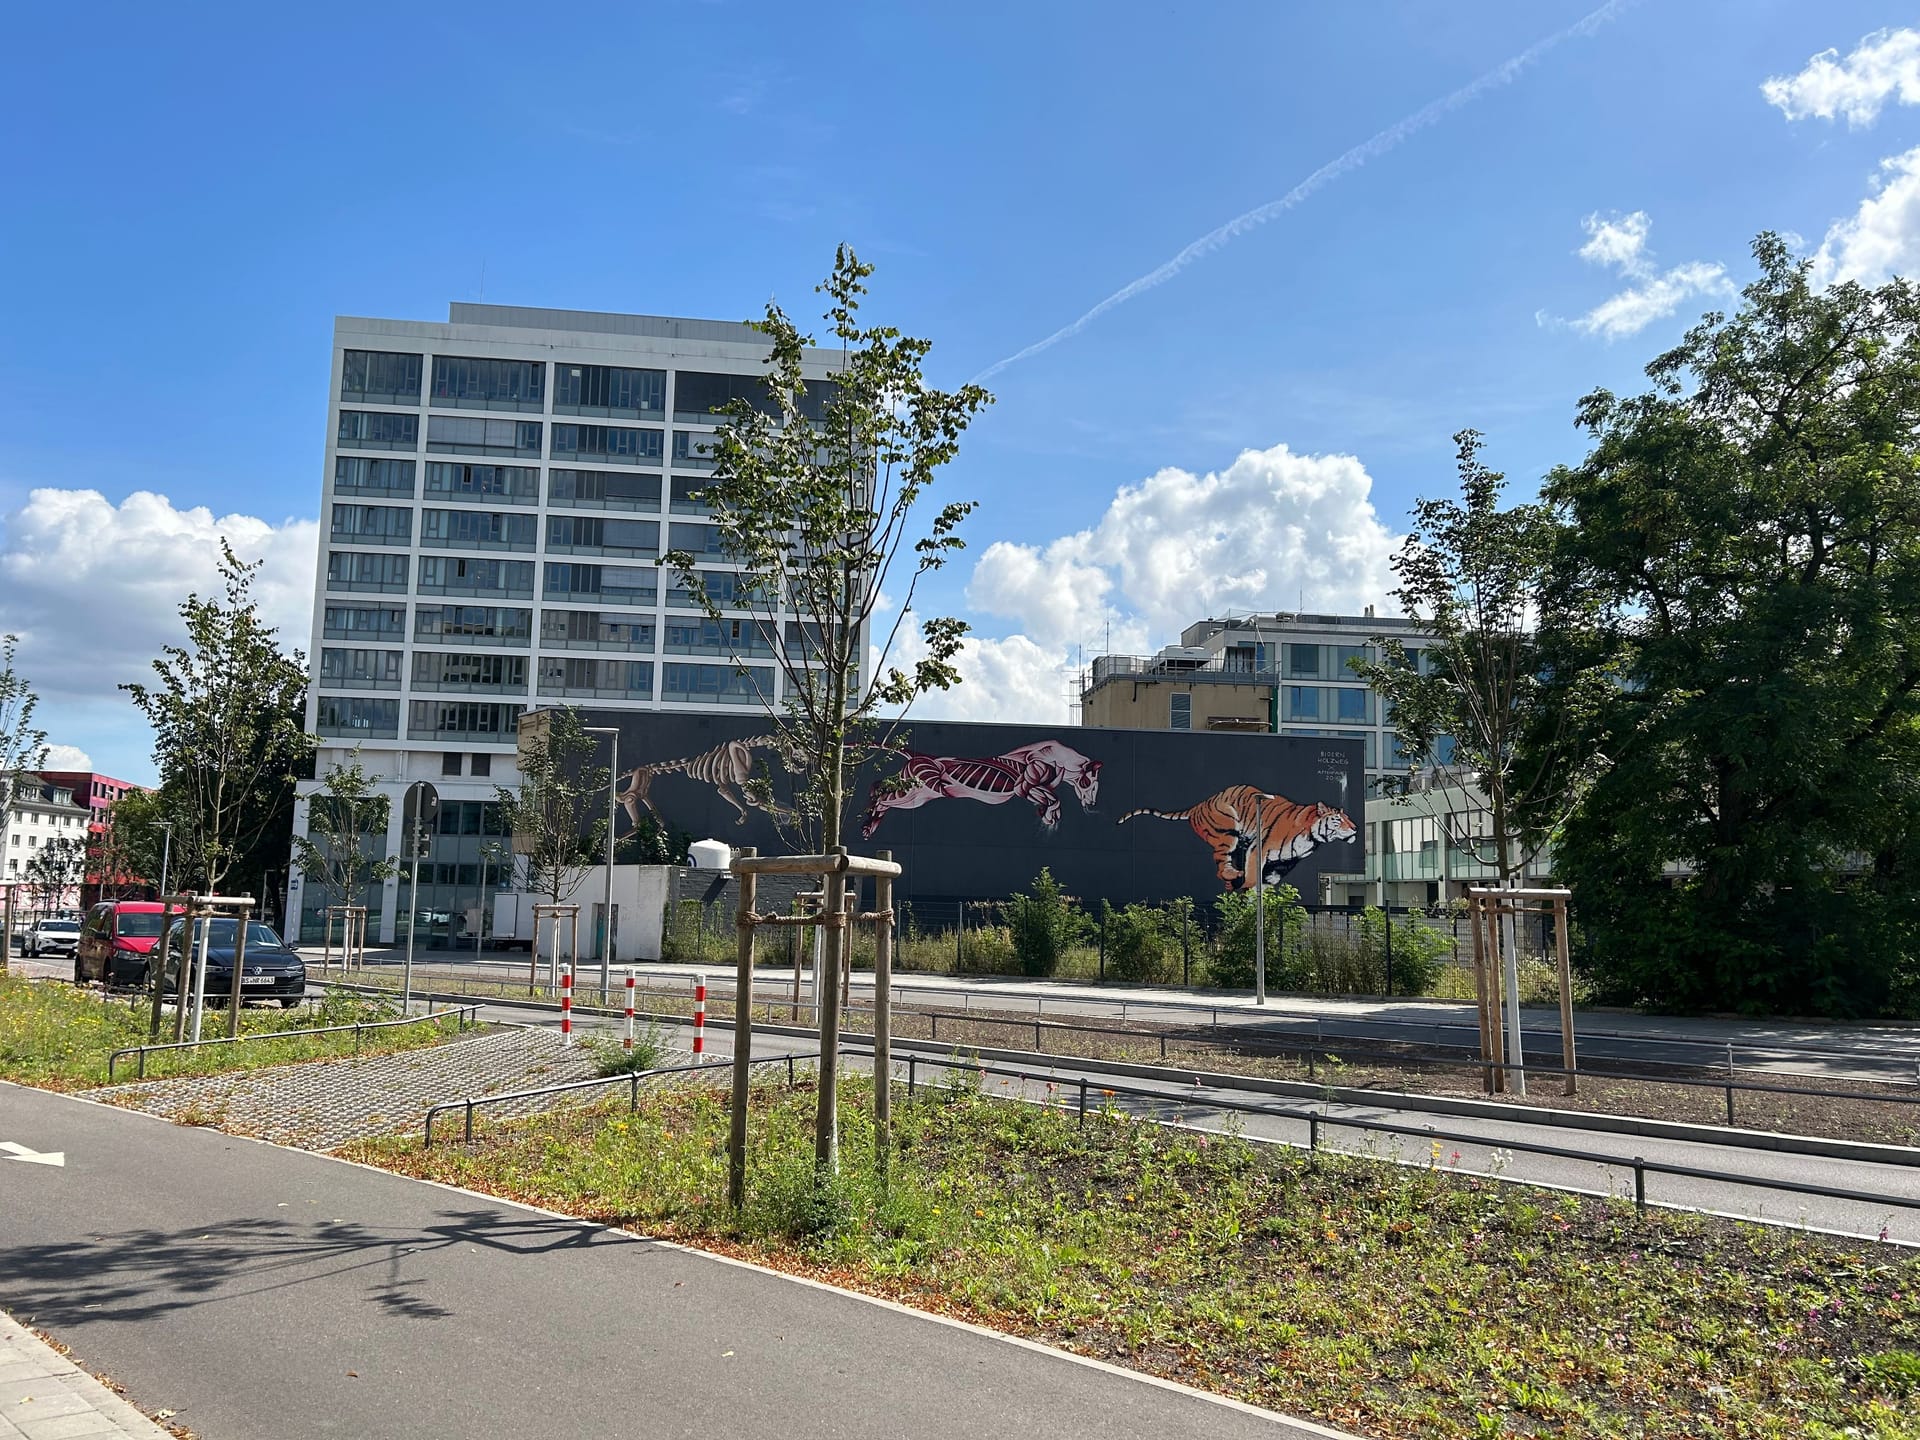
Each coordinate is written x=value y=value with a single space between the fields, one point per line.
x=116 y=940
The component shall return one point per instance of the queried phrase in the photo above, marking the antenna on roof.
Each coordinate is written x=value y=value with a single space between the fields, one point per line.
x=483 y=280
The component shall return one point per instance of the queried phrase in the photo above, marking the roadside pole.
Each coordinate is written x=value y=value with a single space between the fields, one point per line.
x=422 y=808
x=1258 y=859
x=606 y=914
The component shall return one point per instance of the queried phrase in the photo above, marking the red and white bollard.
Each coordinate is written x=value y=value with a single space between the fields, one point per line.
x=627 y=1044
x=566 y=1006
x=699 y=1016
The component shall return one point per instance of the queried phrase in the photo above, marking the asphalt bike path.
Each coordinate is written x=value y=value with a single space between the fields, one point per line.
x=271 y=1293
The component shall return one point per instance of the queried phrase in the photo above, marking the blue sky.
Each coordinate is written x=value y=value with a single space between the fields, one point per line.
x=194 y=192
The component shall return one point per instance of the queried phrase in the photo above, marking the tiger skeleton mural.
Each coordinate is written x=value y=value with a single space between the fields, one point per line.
x=728 y=767
x=1243 y=818
x=1029 y=773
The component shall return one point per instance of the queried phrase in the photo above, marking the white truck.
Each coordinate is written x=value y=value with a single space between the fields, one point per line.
x=513 y=921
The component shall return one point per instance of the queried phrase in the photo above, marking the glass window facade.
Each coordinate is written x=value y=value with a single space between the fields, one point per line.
x=610 y=584
x=609 y=444
x=603 y=490
x=601 y=679
x=372 y=525
x=472 y=624
x=351 y=570
x=716 y=684
x=477 y=529
x=600 y=536
x=444 y=670
x=471 y=384
x=703 y=542
x=359 y=669
x=352 y=718
x=609 y=390
x=692 y=451
x=725 y=588
x=459 y=435
x=378 y=430
x=363 y=622
x=457 y=575
x=707 y=636
x=503 y=484
x=1337 y=704
x=477 y=721
x=1321 y=662
x=698 y=394
x=368 y=475
x=380 y=377
x=686 y=497
x=594 y=630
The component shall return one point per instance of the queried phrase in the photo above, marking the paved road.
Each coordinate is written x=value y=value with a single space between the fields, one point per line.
x=1868 y=1052
x=262 y=1292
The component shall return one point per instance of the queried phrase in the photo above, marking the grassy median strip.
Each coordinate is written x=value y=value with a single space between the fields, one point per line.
x=1392 y=1300
x=58 y=1037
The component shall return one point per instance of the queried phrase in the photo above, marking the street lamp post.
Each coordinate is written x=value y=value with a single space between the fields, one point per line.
x=166 y=854
x=606 y=913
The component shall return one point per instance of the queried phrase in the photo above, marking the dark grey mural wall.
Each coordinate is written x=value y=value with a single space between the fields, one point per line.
x=974 y=811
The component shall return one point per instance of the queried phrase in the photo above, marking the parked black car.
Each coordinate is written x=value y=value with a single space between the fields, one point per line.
x=272 y=970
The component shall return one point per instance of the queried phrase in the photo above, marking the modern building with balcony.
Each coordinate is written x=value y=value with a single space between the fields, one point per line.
x=495 y=499
x=1282 y=673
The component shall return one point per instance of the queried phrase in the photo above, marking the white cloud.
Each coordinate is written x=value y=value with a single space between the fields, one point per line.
x=94 y=591
x=1883 y=66
x=1272 y=529
x=1882 y=237
x=67 y=757
x=1012 y=679
x=1619 y=242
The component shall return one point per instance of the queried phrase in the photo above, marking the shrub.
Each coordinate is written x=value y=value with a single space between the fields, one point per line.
x=610 y=1057
x=1137 y=944
x=1044 y=925
x=1231 y=965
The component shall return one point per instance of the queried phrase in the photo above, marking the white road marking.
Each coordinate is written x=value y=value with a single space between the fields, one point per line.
x=33 y=1157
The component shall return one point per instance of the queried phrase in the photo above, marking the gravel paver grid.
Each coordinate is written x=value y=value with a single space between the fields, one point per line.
x=324 y=1104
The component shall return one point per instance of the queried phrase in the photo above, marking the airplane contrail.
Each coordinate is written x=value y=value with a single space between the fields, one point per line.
x=1387 y=139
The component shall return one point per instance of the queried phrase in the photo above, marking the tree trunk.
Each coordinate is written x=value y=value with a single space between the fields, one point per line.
x=1508 y=940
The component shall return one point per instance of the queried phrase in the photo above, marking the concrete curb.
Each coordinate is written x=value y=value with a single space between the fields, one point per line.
x=1810 y=1145
x=46 y=1394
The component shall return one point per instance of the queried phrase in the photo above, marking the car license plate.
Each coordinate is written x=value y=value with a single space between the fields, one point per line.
x=256 y=980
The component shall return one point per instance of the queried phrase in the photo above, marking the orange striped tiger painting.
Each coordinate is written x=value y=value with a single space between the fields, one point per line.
x=1243 y=818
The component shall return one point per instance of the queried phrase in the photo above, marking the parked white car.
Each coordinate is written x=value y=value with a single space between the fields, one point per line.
x=53 y=937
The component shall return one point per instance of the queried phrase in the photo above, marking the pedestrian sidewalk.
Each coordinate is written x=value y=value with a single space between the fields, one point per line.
x=45 y=1396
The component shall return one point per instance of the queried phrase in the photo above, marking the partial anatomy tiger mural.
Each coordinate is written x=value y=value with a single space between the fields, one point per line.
x=1242 y=819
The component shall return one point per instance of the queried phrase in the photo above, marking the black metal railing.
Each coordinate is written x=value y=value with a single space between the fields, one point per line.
x=464 y=1015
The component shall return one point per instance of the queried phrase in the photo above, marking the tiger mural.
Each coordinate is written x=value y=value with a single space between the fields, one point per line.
x=1243 y=816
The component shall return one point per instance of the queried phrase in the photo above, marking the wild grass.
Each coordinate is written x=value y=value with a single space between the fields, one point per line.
x=58 y=1037
x=1392 y=1300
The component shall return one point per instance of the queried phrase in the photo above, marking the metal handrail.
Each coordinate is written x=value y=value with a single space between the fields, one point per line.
x=1640 y=1166
x=632 y=1078
x=1251 y=1036
x=472 y=1012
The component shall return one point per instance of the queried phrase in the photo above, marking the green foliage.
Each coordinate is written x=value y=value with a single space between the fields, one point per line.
x=650 y=1050
x=22 y=745
x=56 y=869
x=1043 y=926
x=557 y=816
x=228 y=715
x=1740 y=552
x=1139 y=946
x=1232 y=964
x=813 y=502
x=1389 y=1299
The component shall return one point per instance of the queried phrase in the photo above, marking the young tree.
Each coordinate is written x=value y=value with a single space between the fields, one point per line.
x=55 y=869
x=229 y=741
x=129 y=849
x=22 y=746
x=1471 y=574
x=815 y=502
x=1742 y=547
x=342 y=817
x=557 y=815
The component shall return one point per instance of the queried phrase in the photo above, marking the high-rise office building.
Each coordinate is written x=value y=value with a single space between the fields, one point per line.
x=497 y=493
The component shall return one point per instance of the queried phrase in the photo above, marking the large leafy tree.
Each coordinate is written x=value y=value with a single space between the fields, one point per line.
x=816 y=505
x=1741 y=549
x=227 y=711
x=55 y=871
